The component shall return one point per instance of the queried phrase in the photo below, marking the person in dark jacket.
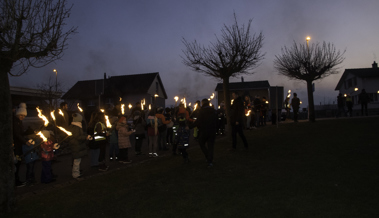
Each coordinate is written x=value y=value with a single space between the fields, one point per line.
x=237 y=119
x=77 y=143
x=364 y=99
x=19 y=139
x=206 y=122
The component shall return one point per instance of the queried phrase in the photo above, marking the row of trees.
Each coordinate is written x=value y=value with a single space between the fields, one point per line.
x=32 y=35
x=238 y=51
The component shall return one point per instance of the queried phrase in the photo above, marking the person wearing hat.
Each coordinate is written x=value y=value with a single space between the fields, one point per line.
x=19 y=139
x=77 y=142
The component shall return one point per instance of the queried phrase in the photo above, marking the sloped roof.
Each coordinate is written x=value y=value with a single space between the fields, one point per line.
x=114 y=86
x=358 y=72
x=245 y=85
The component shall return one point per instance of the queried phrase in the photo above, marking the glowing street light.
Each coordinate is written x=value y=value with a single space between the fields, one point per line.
x=308 y=39
x=56 y=87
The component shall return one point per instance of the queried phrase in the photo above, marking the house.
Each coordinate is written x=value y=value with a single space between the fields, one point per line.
x=354 y=80
x=126 y=89
x=273 y=94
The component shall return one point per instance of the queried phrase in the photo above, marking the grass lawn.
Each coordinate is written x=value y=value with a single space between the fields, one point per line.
x=323 y=169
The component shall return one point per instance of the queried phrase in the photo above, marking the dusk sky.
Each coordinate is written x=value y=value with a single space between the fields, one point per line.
x=122 y=37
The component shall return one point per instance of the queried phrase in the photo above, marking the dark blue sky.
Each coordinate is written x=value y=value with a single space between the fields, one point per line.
x=138 y=36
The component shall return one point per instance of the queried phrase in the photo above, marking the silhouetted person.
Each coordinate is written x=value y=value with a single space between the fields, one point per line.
x=237 y=119
x=349 y=105
x=295 y=103
x=341 y=105
x=364 y=99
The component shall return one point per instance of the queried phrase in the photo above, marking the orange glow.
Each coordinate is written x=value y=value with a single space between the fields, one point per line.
x=40 y=115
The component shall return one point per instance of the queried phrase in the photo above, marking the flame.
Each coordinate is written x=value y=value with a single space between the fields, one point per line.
x=301 y=102
x=120 y=98
x=107 y=121
x=176 y=98
x=149 y=106
x=195 y=107
x=64 y=130
x=219 y=107
x=184 y=102
x=40 y=115
x=42 y=136
x=232 y=101
x=212 y=96
x=130 y=106
x=52 y=114
x=266 y=102
x=122 y=108
x=289 y=95
x=356 y=89
x=289 y=91
x=141 y=105
x=210 y=104
x=248 y=113
x=344 y=95
x=189 y=104
x=80 y=109
x=102 y=110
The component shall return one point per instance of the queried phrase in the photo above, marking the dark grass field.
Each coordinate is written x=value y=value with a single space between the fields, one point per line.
x=324 y=169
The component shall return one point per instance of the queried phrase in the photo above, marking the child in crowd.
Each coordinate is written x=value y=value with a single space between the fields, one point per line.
x=152 y=132
x=113 y=140
x=77 y=143
x=139 y=124
x=47 y=155
x=123 y=140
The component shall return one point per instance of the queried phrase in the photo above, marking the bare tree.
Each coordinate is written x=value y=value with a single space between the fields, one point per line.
x=302 y=62
x=32 y=34
x=236 y=52
x=50 y=91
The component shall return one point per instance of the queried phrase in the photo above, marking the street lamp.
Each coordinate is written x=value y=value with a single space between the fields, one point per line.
x=307 y=39
x=56 y=88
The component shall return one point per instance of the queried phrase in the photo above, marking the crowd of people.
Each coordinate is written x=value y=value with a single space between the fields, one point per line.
x=163 y=128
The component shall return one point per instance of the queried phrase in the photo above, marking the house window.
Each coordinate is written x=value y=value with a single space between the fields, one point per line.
x=373 y=97
x=349 y=83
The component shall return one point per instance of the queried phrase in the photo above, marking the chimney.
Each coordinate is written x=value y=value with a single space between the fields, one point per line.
x=241 y=78
x=375 y=65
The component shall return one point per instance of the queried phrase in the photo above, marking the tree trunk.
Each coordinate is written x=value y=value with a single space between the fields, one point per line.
x=7 y=184
x=311 y=106
x=225 y=87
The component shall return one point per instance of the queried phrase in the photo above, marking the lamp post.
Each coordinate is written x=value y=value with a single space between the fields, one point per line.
x=307 y=39
x=56 y=88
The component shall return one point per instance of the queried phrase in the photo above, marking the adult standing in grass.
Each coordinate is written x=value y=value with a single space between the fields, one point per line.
x=237 y=119
x=295 y=103
x=364 y=99
x=207 y=125
x=77 y=144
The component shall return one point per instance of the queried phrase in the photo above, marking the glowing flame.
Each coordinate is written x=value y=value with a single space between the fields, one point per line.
x=102 y=110
x=212 y=96
x=289 y=91
x=356 y=89
x=40 y=115
x=219 y=107
x=149 y=106
x=61 y=113
x=107 y=121
x=52 y=114
x=248 y=113
x=289 y=95
x=122 y=108
x=232 y=101
x=65 y=131
x=120 y=98
x=210 y=104
x=266 y=102
x=176 y=98
x=130 y=106
x=195 y=107
x=141 y=104
x=301 y=102
x=345 y=95
x=189 y=104
x=184 y=102
x=80 y=109
x=42 y=136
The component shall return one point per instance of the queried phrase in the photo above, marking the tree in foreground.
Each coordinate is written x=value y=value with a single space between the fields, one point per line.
x=236 y=52
x=32 y=34
x=302 y=62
